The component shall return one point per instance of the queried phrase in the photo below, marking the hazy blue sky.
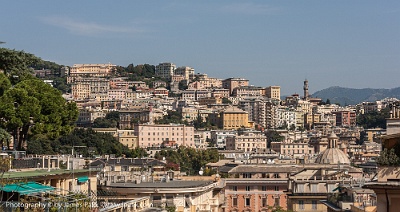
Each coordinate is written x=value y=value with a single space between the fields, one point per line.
x=331 y=43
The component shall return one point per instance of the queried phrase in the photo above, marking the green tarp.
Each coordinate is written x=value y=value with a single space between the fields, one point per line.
x=83 y=179
x=26 y=188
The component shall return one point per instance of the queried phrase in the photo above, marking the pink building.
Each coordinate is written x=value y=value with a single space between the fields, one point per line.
x=156 y=134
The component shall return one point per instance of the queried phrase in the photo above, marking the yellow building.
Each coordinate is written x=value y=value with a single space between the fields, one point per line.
x=231 y=119
x=273 y=92
x=128 y=139
x=91 y=70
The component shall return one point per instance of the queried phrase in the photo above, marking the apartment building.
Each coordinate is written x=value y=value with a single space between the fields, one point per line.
x=128 y=118
x=118 y=94
x=345 y=118
x=209 y=101
x=191 y=114
x=185 y=71
x=252 y=141
x=202 y=81
x=121 y=83
x=220 y=93
x=285 y=117
x=80 y=91
x=165 y=70
x=195 y=94
x=128 y=138
x=87 y=116
x=218 y=137
x=83 y=88
x=231 y=118
x=232 y=83
x=296 y=150
x=257 y=187
x=311 y=118
x=257 y=110
x=161 y=92
x=248 y=91
x=91 y=70
x=155 y=134
x=273 y=92
x=159 y=83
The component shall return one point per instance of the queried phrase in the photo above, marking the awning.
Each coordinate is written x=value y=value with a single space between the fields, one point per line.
x=83 y=179
x=26 y=188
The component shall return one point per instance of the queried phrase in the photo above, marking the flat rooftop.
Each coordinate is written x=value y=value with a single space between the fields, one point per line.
x=171 y=184
x=42 y=173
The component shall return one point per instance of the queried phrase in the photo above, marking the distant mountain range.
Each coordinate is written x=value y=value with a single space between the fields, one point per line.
x=352 y=96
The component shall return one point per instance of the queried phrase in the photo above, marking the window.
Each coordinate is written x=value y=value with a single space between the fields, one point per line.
x=248 y=188
x=301 y=204
x=276 y=188
x=263 y=188
x=314 y=204
x=234 y=188
x=277 y=200
x=264 y=202
x=234 y=202
x=246 y=175
x=247 y=202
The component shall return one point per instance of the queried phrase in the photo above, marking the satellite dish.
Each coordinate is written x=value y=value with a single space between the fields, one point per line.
x=163 y=158
x=201 y=172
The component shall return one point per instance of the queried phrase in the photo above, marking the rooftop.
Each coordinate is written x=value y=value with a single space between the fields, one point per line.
x=41 y=173
x=171 y=184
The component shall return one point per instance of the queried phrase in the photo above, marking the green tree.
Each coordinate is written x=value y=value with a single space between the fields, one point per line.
x=374 y=119
x=5 y=83
x=16 y=64
x=17 y=110
x=57 y=116
x=33 y=106
x=226 y=101
x=182 y=85
x=171 y=117
x=273 y=136
x=388 y=158
x=190 y=160
x=100 y=143
x=4 y=138
x=104 y=123
x=328 y=101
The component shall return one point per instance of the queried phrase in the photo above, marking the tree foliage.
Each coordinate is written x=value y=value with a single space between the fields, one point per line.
x=388 y=158
x=101 y=143
x=16 y=64
x=190 y=160
x=273 y=136
x=171 y=117
x=5 y=138
x=31 y=107
x=374 y=119
x=110 y=121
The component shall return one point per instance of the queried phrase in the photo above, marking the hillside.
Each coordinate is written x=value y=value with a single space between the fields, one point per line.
x=351 y=96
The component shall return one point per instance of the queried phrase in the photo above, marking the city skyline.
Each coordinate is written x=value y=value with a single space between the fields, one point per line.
x=337 y=43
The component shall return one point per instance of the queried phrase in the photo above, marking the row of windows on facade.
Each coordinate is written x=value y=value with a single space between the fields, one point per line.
x=162 y=128
x=263 y=175
x=294 y=151
x=263 y=188
x=247 y=202
x=264 y=203
x=248 y=145
x=166 y=139
x=162 y=133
